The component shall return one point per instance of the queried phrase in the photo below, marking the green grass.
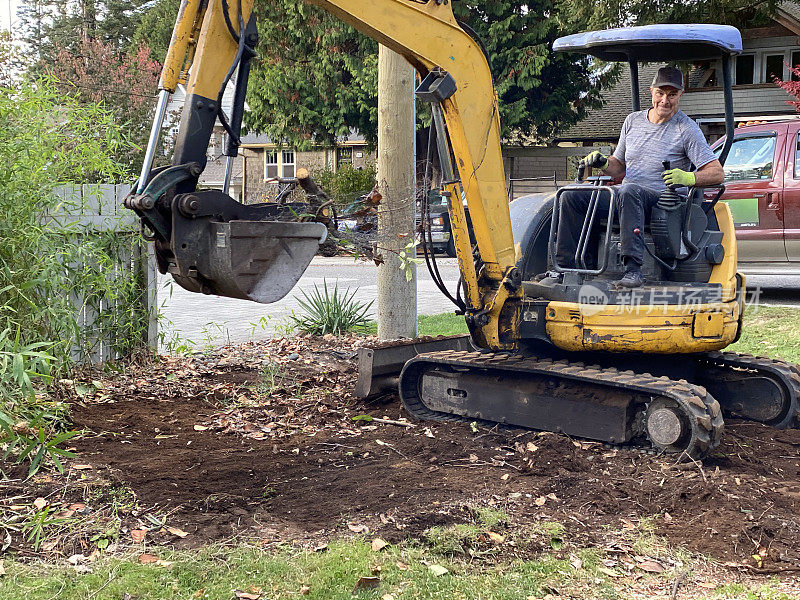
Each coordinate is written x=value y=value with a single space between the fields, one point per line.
x=442 y=324
x=772 y=331
x=282 y=573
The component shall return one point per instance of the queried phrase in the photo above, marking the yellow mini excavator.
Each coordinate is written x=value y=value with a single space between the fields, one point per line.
x=580 y=357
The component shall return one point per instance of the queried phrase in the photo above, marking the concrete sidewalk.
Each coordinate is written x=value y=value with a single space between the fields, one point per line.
x=212 y=321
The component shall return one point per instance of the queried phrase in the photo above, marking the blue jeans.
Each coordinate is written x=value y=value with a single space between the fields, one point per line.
x=633 y=204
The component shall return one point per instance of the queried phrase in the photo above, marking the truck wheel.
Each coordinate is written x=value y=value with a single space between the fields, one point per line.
x=451 y=247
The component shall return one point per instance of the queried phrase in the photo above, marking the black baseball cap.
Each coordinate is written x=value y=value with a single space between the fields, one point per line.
x=668 y=77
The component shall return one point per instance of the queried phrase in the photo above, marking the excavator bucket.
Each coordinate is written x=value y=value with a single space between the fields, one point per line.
x=214 y=245
x=251 y=260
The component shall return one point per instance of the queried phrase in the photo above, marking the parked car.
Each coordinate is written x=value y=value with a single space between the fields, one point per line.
x=762 y=188
x=440 y=225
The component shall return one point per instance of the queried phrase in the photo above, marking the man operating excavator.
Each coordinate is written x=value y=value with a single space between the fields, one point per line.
x=648 y=137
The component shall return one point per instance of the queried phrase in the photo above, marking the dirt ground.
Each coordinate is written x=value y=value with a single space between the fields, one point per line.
x=260 y=440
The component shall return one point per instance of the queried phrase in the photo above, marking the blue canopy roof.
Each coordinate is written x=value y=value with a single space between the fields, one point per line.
x=655 y=43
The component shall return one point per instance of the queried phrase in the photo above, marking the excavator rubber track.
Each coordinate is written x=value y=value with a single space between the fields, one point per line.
x=752 y=387
x=564 y=396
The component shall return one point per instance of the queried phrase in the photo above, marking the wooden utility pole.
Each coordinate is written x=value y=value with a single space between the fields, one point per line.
x=397 y=296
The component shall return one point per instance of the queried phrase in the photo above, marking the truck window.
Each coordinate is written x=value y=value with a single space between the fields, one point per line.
x=750 y=157
x=797 y=159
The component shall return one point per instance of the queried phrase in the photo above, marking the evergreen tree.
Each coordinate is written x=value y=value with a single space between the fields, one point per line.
x=49 y=26
x=591 y=15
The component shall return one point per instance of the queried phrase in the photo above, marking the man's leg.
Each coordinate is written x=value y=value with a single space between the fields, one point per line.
x=633 y=206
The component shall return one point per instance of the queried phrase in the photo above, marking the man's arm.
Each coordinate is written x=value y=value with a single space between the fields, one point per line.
x=615 y=167
x=709 y=174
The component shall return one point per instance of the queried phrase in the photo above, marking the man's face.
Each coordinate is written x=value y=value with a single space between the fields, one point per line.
x=665 y=100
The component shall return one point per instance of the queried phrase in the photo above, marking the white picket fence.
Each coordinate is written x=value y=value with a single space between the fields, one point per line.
x=93 y=210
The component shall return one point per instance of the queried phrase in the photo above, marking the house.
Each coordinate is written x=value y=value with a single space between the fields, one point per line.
x=767 y=51
x=264 y=161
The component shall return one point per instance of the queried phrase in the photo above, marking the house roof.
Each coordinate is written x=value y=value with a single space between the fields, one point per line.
x=603 y=124
x=788 y=15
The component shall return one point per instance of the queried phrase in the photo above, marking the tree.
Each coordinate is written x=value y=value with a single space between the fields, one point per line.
x=591 y=15
x=316 y=77
x=540 y=92
x=123 y=82
x=791 y=87
x=48 y=26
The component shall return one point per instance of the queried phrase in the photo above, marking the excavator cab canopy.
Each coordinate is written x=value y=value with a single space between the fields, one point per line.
x=663 y=43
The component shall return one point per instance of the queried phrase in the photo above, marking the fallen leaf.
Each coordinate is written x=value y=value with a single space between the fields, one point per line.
x=609 y=572
x=304 y=590
x=707 y=585
x=378 y=544
x=247 y=595
x=496 y=537
x=576 y=563
x=76 y=558
x=138 y=535
x=505 y=476
x=321 y=548
x=200 y=428
x=39 y=503
x=146 y=559
x=438 y=570
x=473 y=458
x=651 y=566
x=531 y=447
x=552 y=497
x=77 y=506
x=357 y=528
x=199 y=593
x=667 y=518
x=2 y=568
x=179 y=532
x=401 y=565
x=82 y=467
x=540 y=501
x=387 y=597
x=367 y=583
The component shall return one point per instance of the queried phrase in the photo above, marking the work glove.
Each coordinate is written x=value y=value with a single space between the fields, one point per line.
x=677 y=177
x=596 y=160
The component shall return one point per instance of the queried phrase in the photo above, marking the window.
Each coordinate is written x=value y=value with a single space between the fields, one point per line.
x=270 y=164
x=795 y=62
x=773 y=67
x=750 y=157
x=278 y=163
x=745 y=67
x=344 y=156
x=797 y=159
x=287 y=163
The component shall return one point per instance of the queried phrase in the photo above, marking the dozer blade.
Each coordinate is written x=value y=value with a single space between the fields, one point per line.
x=251 y=260
x=379 y=366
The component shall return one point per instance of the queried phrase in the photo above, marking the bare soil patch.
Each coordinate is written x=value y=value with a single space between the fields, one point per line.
x=259 y=440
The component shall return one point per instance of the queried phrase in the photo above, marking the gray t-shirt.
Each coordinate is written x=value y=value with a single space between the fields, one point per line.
x=644 y=145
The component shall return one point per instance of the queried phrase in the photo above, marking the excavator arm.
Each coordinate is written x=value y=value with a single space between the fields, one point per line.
x=210 y=243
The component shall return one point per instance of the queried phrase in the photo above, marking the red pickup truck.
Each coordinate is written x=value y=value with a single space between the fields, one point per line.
x=762 y=187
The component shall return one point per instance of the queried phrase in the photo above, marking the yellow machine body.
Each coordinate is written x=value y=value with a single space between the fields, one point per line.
x=658 y=328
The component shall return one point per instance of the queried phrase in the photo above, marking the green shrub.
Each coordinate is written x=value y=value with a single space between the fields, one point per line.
x=48 y=140
x=346 y=184
x=329 y=311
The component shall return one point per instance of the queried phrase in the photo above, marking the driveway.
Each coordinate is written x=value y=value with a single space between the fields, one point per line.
x=211 y=321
